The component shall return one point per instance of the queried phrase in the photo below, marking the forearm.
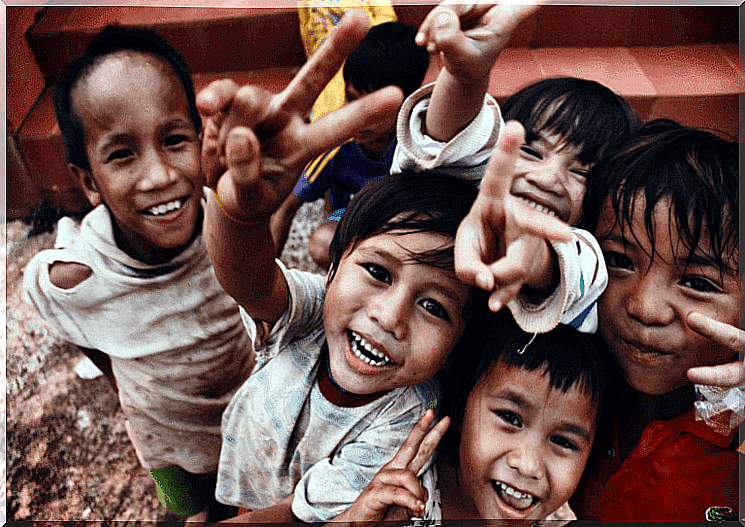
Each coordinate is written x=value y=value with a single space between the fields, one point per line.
x=281 y=222
x=453 y=105
x=243 y=259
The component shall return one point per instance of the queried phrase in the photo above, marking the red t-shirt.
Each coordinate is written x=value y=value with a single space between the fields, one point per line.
x=679 y=468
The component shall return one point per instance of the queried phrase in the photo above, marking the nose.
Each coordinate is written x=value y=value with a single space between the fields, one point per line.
x=647 y=302
x=527 y=460
x=547 y=175
x=390 y=310
x=158 y=173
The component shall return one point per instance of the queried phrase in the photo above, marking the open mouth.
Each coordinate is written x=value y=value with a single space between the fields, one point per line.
x=165 y=208
x=515 y=499
x=539 y=207
x=366 y=352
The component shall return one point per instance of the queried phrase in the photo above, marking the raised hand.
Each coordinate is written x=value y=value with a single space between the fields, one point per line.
x=470 y=36
x=501 y=245
x=256 y=144
x=395 y=494
x=725 y=375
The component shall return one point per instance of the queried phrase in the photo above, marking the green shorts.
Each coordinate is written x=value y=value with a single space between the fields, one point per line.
x=183 y=492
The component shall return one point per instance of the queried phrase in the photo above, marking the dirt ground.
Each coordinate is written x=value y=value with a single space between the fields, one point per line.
x=68 y=454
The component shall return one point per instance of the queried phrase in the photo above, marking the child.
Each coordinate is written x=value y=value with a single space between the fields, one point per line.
x=665 y=210
x=391 y=315
x=455 y=123
x=387 y=56
x=524 y=413
x=133 y=281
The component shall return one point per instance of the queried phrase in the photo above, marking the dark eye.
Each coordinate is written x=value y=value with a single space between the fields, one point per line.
x=378 y=272
x=531 y=152
x=699 y=283
x=563 y=442
x=176 y=139
x=618 y=260
x=121 y=153
x=579 y=172
x=511 y=418
x=435 y=308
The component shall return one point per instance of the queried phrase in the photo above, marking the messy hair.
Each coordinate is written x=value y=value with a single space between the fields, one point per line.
x=410 y=202
x=568 y=357
x=695 y=169
x=387 y=55
x=583 y=113
x=110 y=40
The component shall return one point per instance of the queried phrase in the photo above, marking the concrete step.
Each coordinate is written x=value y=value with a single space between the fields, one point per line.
x=678 y=62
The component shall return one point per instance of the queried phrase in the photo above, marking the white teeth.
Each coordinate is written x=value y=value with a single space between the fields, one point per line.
x=514 y=492
x=368 y=353
x=167 y=207
x=539 y=207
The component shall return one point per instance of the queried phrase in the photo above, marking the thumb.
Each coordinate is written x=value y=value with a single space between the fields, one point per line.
x=446 y=36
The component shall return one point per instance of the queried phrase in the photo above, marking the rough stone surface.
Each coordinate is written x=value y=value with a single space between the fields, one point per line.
x=68 y=454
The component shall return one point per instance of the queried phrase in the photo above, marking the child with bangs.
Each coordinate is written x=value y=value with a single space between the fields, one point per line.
x=570 y=124
x=665 y=210
x=524 y=413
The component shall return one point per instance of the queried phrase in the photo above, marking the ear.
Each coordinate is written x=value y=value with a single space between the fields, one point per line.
x=88 y=184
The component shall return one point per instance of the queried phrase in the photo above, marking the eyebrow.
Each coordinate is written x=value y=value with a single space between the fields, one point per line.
x=576 y=430
x=517 y=399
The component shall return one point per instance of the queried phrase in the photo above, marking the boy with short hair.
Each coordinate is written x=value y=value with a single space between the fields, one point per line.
x=665 y=211
x=134 y=281
x=388 y=55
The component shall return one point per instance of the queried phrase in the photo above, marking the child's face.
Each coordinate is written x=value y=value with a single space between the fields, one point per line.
x=643 y=310
x=549 y=174
x=391 y=321
x=375 y=138
x=143 y=151
x=524 y=444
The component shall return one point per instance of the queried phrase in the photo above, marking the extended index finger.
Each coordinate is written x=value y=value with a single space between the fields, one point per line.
x=338 y=126
x=723 y=334
x=321 y=67
x=428 y=445
x=409 y=449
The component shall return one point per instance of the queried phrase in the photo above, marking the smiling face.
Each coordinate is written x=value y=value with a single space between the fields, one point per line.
x=391 y=321
x=524 y=444
x=143 y=151
x=643 y=310
x=551 y=178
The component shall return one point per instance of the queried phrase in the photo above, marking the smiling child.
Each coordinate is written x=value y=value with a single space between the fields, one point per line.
x=665 y=210
x=133 y=281
x=524 y=413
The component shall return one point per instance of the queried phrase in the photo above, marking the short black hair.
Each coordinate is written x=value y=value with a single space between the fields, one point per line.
x=387 y=55
x=113 y=39
x=569 y=358
x=582 y=112
x=696 y=169
x=410 y=201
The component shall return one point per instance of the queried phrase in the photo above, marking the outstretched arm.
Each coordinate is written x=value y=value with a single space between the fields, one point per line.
x=502 y=244
x=469 y=38
x=254 y=148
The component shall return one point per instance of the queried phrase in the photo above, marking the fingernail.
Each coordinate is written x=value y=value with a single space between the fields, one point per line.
x=495 y=305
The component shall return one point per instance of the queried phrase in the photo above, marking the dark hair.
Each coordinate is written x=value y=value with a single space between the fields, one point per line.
x=695 y=169
x=569 y=358
x=387 y=55
x=410 y=201
x=582 y=112
x=110 y=40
